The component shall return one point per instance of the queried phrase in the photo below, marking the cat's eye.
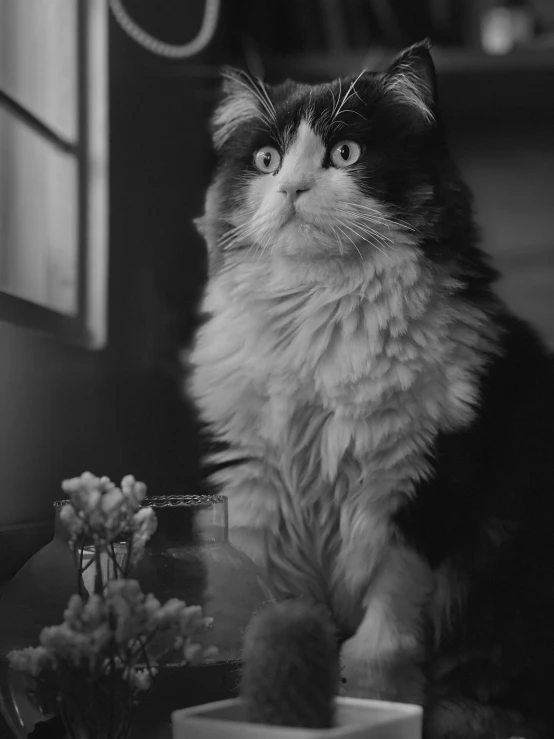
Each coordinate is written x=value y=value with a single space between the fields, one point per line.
x=267 y=159
x=345 y=153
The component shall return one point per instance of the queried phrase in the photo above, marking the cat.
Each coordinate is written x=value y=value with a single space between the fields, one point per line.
x=386 y=423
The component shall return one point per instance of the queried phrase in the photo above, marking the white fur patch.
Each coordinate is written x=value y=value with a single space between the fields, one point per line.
x=303 y=160
x=340 y=386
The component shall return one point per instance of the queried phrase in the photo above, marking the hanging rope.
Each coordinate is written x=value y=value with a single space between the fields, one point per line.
x=171 y=51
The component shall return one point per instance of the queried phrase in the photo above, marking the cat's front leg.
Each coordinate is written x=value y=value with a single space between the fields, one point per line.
x=384 y=658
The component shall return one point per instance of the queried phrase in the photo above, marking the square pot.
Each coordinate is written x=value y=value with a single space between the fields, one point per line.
x=356 y=718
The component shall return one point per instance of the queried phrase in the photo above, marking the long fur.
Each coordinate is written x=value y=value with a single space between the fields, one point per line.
x=350 y=363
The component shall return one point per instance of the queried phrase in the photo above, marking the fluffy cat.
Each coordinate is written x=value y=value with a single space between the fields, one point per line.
x=386 y=423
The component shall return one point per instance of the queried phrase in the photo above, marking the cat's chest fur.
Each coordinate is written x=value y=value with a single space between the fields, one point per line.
x=336 y=395
x=372 y=366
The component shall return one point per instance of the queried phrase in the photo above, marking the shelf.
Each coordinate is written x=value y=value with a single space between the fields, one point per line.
x=319 y=67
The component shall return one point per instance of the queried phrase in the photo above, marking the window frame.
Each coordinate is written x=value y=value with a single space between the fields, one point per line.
x=87 y=328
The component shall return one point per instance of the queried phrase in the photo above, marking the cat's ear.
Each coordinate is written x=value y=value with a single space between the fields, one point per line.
x=240 y=102
x=411 y=80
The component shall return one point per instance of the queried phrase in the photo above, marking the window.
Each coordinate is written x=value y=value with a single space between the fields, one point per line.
x=53 y=167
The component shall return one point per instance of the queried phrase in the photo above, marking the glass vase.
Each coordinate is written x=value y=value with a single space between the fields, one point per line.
x=189 y=557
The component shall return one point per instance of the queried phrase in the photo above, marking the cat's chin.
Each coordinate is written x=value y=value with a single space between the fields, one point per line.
x=299 y=238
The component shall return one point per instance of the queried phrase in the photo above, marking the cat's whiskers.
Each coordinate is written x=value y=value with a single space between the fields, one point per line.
x=382 y=252
x=355 y=112
x=335 y=106
x=229 y=240
x=257 y=88
x=359 y=252
x=362 y=232
x=338 y=238
x=376 y=213
x=334 y=103
x=254 y=245
x=378 y=245
x=390 y=219
x=347 y=96
x=310 y=112
x=378 y=217
x=259 y=235
x=233 y=236
x=356 y=91
x=370 y=223
x=262 y=240
x=361 y=208
x=368 y=220
x=375 y=236
x=241 y=233
x=349 y=239
x=269 y=107
x=347 y=226
x=266 y=243
x=330 y=224
x=375 y=243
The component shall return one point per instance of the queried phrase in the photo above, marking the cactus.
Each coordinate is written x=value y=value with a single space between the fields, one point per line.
x=291 y=666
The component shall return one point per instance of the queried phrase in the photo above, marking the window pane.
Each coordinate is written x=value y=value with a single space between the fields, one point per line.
x=38 y=59
x=38 y=218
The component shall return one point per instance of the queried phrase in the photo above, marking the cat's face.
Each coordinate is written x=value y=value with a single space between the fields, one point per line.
x=338 y=170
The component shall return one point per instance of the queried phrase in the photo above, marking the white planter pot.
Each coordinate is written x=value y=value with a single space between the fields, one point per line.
x=355 y=719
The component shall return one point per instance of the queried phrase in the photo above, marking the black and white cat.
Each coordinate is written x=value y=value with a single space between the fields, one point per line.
x=388 y=425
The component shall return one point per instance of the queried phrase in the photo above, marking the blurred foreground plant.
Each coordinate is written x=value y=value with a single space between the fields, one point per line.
x=94 y=666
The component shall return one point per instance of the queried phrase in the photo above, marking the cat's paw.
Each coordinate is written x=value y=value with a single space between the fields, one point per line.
x=342 y=690
x=357 y=682
x=360 y=686
x=400 y=682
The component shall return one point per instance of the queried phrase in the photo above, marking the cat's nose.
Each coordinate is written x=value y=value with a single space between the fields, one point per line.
x=293 y=190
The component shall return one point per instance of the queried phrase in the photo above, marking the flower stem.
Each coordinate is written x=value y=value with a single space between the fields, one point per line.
x=80 y=570
x=98 y=579
x=129 y=556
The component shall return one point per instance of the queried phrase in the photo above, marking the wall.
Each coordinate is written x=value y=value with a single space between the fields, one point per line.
x=512 y=175
x=64 y=410
x=500 y=122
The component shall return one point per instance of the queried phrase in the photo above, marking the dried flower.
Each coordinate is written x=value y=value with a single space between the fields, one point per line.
x=105 y=513
x=31 y=660
x=108 y=528
x=133 y=490
x=71 y=520
x=115 y=642
x=113 y=636
x=130 y=610
x=115 y=623
x=141 y=679
x=142 y=525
